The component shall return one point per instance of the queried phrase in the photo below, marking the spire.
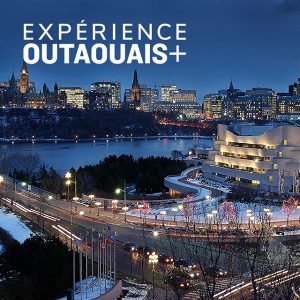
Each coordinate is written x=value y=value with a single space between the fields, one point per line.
x=231 y=85
x=24 y=67
x=135 y=79
x=136 y=91
x=13 y=79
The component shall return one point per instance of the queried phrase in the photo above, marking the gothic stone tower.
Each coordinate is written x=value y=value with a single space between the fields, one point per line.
x=24 y=79
x=136 y=91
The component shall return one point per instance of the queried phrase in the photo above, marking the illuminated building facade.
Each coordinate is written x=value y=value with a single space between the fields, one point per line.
x=149 y=98
x=183 y=96
x=165 y=90
x=191 y=110
x=75 y=96
x=213 y=106
x=24 y=79
x=267 y=157
x=105 y=95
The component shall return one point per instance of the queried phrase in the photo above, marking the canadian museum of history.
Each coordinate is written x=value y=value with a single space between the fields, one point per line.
x=264 y=156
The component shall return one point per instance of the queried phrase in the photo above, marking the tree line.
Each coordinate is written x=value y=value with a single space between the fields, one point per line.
x=146 y=174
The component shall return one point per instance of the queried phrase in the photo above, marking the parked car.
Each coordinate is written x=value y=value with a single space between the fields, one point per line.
x=188 y=268
x=183 y=263
x=217 y=272
x=165 y=259
x=129 y=246
x=178 y=281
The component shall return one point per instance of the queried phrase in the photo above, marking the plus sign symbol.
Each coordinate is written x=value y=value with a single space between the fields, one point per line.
x=177 y=53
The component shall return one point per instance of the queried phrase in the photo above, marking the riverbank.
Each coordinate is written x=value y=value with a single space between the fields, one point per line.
x=101 y=139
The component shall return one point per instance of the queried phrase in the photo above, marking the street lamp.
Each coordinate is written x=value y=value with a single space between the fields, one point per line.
x=153 y=259
x=68 y=177
x=75 y=199
x=174 y=210
x=249 y=215
x=68 y=182
x=209 y=216
x=98 y=205
x=268 y=214
x=163 y=213
x=81 y=213
x=155 y=233
x=214 y=212
x=125 y=208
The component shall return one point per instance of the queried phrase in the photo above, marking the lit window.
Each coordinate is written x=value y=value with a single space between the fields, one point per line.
x=285 y=142
x=280 y=154
x=270 y=178
x=275 y=167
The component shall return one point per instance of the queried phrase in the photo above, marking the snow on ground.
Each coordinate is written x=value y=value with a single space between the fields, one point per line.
x=14 y=225
x=95 y=288
x=136 y=291
x=200 y=210
x=210 y=184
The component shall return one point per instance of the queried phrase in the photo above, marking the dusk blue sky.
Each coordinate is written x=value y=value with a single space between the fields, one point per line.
x=251 y=41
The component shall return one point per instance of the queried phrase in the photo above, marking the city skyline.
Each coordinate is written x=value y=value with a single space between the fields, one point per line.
x=217 y=50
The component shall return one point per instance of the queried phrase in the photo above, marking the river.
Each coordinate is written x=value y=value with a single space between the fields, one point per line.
x=62 y=156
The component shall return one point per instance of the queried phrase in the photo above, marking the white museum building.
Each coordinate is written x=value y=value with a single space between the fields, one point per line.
x=267 y=156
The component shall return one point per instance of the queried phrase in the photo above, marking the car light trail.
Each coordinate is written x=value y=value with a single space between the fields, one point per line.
x=61 y=231
x=25 y=209
x=69 y=232
x=229 y=289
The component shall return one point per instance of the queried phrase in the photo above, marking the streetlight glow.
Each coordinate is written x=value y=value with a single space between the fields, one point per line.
x=68 y=175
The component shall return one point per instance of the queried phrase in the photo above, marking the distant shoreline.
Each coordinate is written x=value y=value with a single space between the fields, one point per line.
x=104 y=139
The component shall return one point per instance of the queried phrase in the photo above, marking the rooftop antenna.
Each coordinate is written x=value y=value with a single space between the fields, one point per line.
x=112 y=72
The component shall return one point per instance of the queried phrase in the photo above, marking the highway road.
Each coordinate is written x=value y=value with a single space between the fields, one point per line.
x=127 y=264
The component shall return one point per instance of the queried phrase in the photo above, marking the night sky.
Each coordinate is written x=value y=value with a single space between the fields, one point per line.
x=254 y=42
